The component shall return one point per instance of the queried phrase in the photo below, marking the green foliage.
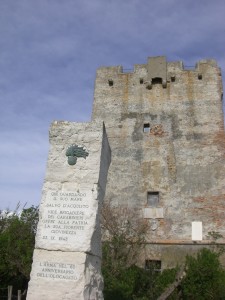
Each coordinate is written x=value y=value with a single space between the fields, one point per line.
x=130 y=283
x=205 y=278
x=166 y=278
x=134 y=283
x=17 y=238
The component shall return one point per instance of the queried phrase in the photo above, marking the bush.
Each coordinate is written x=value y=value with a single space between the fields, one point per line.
x=17 y=239
x=205 y=278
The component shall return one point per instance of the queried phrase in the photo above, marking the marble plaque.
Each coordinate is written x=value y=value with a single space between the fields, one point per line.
x=67 y=219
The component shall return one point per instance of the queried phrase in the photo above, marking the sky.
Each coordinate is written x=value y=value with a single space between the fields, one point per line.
x=49 y=53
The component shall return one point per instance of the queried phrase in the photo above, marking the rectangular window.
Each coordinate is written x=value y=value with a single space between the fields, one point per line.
x=153 y=265
x=146 y=127
x=153 y=199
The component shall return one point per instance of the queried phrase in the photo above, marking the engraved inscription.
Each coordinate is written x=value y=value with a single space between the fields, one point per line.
x=56 y=271
x=66 y=216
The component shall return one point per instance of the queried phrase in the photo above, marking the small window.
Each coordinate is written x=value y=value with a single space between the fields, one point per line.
x=173 y=78
x=200 y=76
x=146 y=127
x=110 y=81
x=157 y=80
x=141 y=80
x=153 y=265
x=153 y=199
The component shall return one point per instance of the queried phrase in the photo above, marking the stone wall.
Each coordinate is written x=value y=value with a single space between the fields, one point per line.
x=166 y=138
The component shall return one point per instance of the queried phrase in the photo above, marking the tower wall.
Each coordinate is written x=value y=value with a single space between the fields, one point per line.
x=166 y=131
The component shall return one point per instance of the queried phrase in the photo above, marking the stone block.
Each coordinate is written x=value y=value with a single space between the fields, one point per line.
x=153 y=213
x=65 y=275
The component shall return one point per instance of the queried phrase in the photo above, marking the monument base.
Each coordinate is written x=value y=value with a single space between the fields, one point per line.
x=76 y=275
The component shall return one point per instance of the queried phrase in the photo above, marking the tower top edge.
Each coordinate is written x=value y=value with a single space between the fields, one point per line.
x=161 y=60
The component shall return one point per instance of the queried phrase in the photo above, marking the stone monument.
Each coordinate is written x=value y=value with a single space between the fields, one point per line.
x=67 y=255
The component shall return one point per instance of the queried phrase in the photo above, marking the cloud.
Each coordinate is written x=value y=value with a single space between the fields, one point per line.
x=22 y=157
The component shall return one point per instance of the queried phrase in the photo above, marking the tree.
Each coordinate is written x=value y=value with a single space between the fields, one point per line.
x=17 y=239
x=124 y=237
x=205 y=277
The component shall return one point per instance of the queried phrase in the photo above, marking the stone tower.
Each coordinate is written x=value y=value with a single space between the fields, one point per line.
x=166 y=132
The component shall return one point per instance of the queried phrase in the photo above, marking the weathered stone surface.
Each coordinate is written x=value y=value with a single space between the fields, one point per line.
x=68 y=221
x=72 y=195
x=153 y=213
x=65 y=275
x=182 y=156
x=67 y=256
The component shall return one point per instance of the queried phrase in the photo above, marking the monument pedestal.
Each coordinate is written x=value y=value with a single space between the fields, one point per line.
x=67 y=256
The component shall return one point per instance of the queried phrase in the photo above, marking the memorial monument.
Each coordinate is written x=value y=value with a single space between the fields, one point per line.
x=67 y=255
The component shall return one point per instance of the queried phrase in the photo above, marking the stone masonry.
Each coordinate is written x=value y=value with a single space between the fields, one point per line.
x=67 y=256
x=166 y=132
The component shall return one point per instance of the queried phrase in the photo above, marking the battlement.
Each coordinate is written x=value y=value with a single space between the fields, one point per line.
x=161 y=60
x=159 y=71
x=160 y=87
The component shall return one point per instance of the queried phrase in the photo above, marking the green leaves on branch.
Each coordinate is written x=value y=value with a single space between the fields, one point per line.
x=205 y=278
x=17 y=239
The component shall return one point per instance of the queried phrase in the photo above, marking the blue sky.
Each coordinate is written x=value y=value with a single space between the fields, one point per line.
x=49 y=53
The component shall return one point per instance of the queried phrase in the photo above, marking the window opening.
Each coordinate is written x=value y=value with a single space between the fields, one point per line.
x=110 y=81
x=173 y=78
x=153 y=265
x=146 y=127
x=141 y=80
x=153 y=199
x=156 y=80
x=200 y=76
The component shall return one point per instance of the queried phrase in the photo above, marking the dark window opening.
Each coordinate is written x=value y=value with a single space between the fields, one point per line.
x=156 y=80
x=110 y=81
x=153 y=265
x=146 y=127
x=173 y=78
x=141 y=80
x=153 y=199
x=200 y=76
